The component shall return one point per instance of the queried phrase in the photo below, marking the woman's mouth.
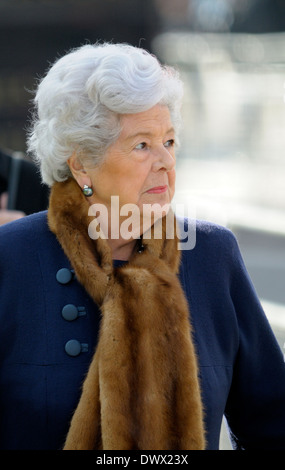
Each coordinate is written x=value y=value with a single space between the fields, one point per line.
x=157 y=189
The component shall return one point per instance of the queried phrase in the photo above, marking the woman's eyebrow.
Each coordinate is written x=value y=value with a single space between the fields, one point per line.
x=147 y=133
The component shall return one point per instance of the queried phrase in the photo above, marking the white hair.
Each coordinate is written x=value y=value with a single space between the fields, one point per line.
x=79 y=102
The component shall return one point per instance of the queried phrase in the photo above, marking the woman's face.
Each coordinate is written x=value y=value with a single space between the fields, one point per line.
x=140 y=166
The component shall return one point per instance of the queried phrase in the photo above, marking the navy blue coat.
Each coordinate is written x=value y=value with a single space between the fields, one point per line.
x=242 y=370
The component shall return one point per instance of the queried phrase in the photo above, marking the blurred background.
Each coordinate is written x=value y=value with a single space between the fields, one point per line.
x=231 y=56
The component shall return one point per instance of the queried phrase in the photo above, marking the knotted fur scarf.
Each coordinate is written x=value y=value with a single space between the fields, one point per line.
x=141 y=391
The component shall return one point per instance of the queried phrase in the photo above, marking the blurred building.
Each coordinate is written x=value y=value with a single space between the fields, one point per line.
x=242 y=16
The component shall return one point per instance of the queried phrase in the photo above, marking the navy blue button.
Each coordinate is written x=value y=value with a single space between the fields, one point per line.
x=64 y=276
x=69 y=312
x=73 y=347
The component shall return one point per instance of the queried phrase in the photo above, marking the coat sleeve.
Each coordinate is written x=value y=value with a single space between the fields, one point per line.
x=255 y=410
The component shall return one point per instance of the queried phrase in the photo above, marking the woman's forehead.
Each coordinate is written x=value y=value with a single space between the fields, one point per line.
x=147 y=123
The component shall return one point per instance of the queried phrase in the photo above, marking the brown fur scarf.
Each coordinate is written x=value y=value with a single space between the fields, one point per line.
x=141 y=391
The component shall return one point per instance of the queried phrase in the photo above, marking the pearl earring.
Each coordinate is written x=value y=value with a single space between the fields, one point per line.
x=87 y=191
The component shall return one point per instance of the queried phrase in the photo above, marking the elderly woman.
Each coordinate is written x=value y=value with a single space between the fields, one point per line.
x=112 y=336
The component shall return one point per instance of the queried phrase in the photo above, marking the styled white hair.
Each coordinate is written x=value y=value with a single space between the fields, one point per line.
x=79 y=102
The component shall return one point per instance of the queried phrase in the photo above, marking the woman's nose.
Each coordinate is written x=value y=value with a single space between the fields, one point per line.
x=163 y=160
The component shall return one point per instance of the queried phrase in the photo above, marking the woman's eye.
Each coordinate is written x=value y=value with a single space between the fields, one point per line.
x=169 y=143
x=141 y=146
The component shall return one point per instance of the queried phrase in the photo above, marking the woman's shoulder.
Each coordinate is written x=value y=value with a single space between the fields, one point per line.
x=206 y=234
x=24 y=232
x=211 y=245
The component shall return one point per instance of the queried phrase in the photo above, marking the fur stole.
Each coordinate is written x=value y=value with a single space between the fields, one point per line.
x=141 y=391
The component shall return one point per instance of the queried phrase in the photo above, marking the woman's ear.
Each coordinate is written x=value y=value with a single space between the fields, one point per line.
x=78 y=171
